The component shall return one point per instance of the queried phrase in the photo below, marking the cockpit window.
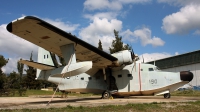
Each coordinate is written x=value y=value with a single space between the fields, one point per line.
x=151 y=69
x=156 y=69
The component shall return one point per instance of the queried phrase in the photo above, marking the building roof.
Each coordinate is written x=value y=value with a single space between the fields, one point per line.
x=178 y=60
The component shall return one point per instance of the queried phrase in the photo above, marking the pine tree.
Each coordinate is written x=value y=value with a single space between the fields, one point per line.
x=29 y=80
x=20 y=67
x=117 y=44
x=13 y=81
x=100 y=45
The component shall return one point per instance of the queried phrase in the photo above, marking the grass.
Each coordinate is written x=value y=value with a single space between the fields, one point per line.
x=192 y=93
x=145 y=107
x=42 y=92
x=131 y=107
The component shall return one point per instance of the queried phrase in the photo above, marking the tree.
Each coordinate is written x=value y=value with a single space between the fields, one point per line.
x=13 y=81
x=20 y=67
x=3 y=62
x=62 y=60
x=100 y=45
x=3 y=78
x=117 y=44
x=29 y=80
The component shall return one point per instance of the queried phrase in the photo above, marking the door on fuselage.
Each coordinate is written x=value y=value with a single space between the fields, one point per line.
x=123 y=78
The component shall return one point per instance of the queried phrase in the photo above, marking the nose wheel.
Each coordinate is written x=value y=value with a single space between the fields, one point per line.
x=167 y=95
x=106 y=94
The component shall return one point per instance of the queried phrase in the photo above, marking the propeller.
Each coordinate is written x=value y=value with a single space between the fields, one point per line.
x=134 y=58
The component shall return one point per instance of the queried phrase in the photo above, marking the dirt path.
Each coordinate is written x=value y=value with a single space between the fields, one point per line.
x=41 y=101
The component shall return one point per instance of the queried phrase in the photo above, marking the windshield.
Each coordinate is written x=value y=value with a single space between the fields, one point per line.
x=156 y=69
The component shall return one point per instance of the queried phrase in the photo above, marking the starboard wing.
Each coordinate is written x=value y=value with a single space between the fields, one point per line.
x=52 y=38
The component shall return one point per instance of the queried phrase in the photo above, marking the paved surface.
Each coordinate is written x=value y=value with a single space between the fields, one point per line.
x=42 y=101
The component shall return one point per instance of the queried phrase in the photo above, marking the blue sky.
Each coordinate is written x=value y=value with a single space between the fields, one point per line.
x=155 y=28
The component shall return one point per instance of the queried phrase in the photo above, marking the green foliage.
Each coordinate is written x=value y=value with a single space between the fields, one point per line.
x=20 y=67
x=3 y=62
x=100 y=45
x=40 y=92
x=13 y=81
x=29 y=81
x=3 y=80
x=12 y=92
x=62 y=61
x=117 y=44
x=186 y=93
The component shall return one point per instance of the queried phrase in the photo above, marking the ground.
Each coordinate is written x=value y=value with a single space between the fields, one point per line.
x=42 y=101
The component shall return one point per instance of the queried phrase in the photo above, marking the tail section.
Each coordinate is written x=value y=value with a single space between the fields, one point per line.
x=44 y=57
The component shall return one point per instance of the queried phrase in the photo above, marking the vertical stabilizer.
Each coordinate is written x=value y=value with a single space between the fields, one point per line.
x=44 y=57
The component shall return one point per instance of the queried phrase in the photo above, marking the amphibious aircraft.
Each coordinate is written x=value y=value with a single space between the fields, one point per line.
x=89 y=69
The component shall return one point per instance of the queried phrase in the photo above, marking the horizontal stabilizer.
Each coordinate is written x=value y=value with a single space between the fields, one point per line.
x=37 y=65
x=72 y=69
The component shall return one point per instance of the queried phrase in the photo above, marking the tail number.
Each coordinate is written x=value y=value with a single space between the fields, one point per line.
x=153 y=81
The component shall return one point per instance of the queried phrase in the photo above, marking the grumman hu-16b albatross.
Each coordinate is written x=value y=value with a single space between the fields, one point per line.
x=89 y=69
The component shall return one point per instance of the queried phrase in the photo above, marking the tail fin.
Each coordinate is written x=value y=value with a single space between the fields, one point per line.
x=44 y=57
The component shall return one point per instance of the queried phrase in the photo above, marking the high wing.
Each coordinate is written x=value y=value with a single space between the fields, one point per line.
x=52 y=38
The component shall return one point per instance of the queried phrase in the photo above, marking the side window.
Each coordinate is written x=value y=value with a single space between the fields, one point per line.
x=90 y=78
x=82 y=78
x=119 y=76
x=129 y=75
x=150 y=69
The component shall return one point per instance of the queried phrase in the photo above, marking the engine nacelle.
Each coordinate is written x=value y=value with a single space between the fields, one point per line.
x=124 y=57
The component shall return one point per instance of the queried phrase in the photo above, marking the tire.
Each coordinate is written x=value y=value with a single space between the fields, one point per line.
x=106 y=95
x=167 y=95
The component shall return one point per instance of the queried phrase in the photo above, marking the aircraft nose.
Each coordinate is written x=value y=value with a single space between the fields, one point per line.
x=186 y=75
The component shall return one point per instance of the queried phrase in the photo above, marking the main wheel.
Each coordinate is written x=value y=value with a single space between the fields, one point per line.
x=106 y=95
x=167 y=95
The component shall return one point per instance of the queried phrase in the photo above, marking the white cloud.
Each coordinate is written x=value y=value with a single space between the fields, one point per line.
x=110 y=4
x=66 y=26
x=197 y=32
x=14 y=48
x=144 y=35
x=101 y=5
x=100 y=29
x=176 y=53
x=153 y=56
x=101 y=15
x=179 y=2
x=184 y=21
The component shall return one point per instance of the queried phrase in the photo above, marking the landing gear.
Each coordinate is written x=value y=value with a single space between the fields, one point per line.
x=167 y=95
x=106 y=94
